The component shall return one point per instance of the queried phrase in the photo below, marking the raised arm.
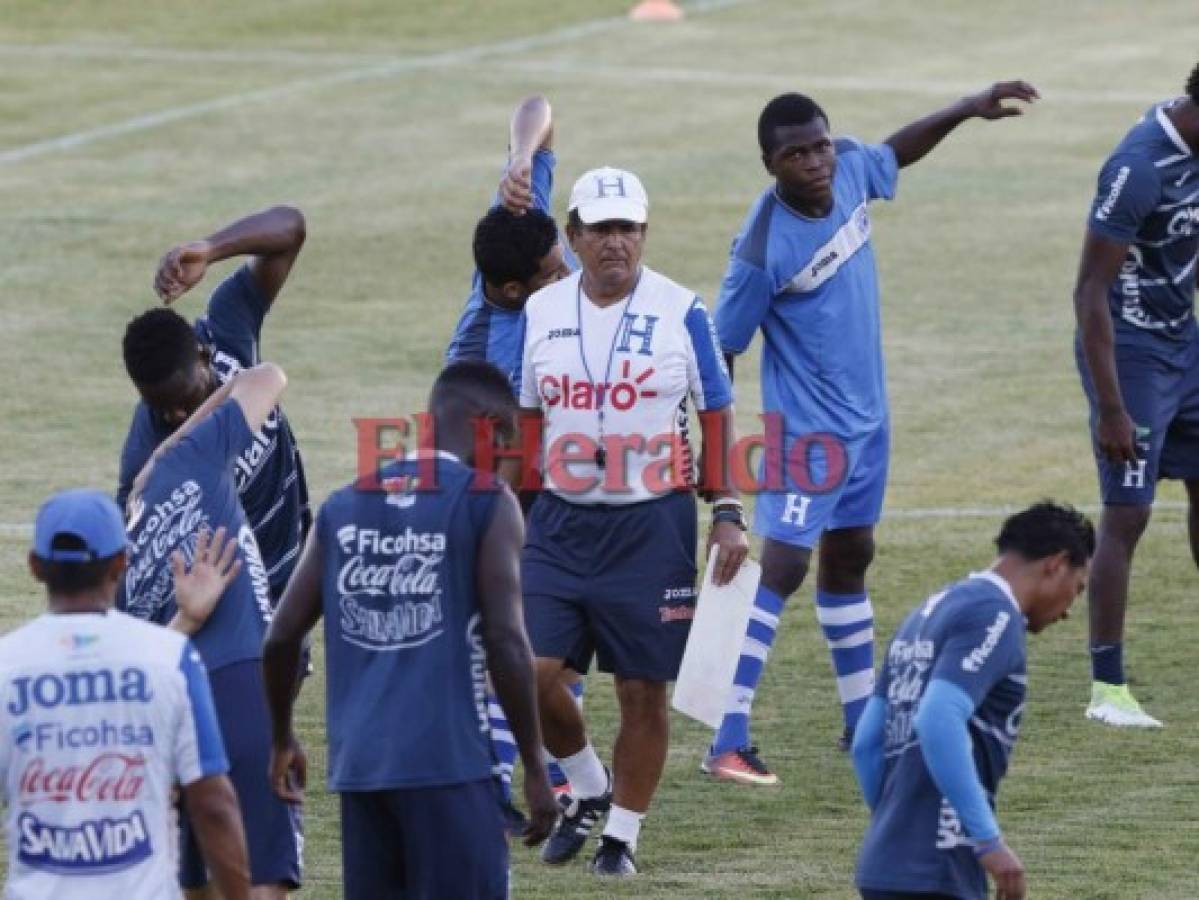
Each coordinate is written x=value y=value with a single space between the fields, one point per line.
x=272 y=238
x=1097 y=269
x=216 y=818
x=509 y=658
x=531 y=129
x=913 y=141
x=298 y=612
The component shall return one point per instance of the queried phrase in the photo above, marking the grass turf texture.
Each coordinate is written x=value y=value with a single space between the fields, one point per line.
x=392 y=168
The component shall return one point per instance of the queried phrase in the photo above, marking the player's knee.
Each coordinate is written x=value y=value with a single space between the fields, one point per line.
x=848 y=555
x=549 y=674
x=784 y=567
x=1123 y=525
x=641 y=699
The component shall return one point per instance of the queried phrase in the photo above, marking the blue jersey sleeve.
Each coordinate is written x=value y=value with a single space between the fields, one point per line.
x=874 y=164
x=941 y=723
x=1129 y=189
x=233 y=324
x=984 y=645
x=220 y=437
x=544 y=162
x=745 y=296
x=869 y=739
x=710 y=386
x=140 y=442
x=200 y=752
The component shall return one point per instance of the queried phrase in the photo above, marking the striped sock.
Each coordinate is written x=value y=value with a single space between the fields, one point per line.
x=557 y=776
x=503 y=746
x=847 y=621
x=759 y=636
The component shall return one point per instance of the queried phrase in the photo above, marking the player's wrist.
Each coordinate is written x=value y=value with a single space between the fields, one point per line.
x=988 y=845
x=731 y=514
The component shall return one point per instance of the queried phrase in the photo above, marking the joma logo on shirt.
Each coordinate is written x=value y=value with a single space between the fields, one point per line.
x=975 y=659
x=52 y=689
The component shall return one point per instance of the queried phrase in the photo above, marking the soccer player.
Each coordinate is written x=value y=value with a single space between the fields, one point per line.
x=517 y=251
x=188 y=487
x=175 y=366
x=102 y=714
x=419 y=586
x=1137 y=351
x=934 y=740
x=611 y=356
x=802 y=270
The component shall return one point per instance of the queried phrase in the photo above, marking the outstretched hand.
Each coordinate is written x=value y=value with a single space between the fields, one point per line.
x=989 y=104
x=516 y=187
x=180 y=270
x=213 y=569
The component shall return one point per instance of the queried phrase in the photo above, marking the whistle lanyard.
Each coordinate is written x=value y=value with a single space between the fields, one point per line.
x=601 y=455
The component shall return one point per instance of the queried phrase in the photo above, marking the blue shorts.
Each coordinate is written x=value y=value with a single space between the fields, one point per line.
x=274 y=831
x=834 y=484
x=1163 y=402
x=424 y=843
x=620 y=579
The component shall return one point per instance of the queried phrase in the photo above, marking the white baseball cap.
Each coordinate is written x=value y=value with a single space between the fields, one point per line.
x=603 y=195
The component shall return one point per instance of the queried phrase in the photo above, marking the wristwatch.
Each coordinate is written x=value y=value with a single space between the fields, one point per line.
x=728 y=509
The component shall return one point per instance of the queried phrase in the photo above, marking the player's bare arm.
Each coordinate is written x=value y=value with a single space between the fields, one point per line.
x=530 y=130
x=216 y=818
x=298 y=612
x=912 y=142
x=1097 y=270
x=509 y=658
x=727 y=538
x=199 y=588
x=1007 y=871
x=272 y=237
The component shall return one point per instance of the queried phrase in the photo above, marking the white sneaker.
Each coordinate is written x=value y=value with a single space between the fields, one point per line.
x=1113 y=704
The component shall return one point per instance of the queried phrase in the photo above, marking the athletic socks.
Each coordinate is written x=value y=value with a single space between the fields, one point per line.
x=759 y=636
x=587 y=775
x=1107 y=663
x=624 y=825
x=503 y=746
x=847 y=621
x=557 y=776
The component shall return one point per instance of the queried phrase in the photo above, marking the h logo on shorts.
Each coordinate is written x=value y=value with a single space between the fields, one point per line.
x=1134 y=474
x=615 y=185
x=796 y=510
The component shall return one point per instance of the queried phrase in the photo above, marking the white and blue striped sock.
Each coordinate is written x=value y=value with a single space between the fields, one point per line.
x=847 y=621
x=503 y=746
x=759 y=637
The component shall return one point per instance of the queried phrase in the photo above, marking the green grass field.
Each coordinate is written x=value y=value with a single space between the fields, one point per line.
x=125 y=127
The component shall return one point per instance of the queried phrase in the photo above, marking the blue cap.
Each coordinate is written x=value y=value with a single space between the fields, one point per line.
x=86 y=514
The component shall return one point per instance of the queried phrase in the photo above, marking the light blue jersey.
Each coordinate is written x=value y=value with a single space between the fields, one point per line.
x=490 y=332
x=812 y=287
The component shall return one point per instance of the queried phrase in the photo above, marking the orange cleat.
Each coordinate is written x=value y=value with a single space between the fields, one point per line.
x=742 y=766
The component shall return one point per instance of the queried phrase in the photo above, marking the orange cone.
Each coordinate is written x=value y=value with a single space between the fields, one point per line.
x=656 y=11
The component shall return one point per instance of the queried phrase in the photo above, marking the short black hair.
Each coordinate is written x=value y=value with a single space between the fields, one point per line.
x=157 y=344
x=67 y=578
x=784 y=110
x=509 y=247
x=1193 y=85
x=472 y=386
x=1047 y=528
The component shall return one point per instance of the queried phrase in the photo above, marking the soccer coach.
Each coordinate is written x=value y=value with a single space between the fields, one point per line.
x=610 y=356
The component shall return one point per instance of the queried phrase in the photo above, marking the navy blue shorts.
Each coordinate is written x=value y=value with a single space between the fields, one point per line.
x=274 y=832
x=1163 y=402
x=618 y=578
x=424 y=843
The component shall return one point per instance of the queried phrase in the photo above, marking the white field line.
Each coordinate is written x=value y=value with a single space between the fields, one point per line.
x=25 y=529
x=374 y=71
x=807 y=82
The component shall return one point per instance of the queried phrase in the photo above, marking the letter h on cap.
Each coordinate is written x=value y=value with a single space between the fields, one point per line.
x=602 y=186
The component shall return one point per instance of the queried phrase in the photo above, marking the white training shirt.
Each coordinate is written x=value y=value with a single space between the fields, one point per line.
x=100 y=714
x=636 y=362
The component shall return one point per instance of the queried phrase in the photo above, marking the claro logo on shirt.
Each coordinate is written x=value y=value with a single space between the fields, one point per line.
x=977 y=657
x=576 y=393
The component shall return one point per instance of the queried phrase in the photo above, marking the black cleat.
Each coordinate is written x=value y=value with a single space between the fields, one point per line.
x=577 y=819
x=845 y=742
x=613 y=859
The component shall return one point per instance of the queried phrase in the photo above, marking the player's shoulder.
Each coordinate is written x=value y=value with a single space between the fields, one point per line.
x=152 y=642
x=553 y=298
x=981 y=600
x=664 y=293
x=753 y=243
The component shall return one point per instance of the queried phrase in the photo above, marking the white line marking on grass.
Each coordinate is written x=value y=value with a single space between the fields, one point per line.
x=24 y=529
x=849 y=83
x=387 y=69
x=132 y=53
